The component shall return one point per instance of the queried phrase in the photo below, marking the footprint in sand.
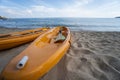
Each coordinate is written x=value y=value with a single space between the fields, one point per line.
x=96 y=67
x=76 y=45
x=114 y=62
x=76 y=52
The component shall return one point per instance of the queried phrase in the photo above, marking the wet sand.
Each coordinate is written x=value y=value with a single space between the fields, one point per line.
x=92 y=56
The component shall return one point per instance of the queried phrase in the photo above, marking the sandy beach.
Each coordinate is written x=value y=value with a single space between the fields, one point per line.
x=92 y=56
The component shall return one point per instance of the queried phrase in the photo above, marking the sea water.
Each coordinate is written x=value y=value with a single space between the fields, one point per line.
x=89 y=24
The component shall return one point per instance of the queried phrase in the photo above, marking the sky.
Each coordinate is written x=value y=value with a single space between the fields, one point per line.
x=60 y=8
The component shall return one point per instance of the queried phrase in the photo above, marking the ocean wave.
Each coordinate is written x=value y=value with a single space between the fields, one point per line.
x=73 y=24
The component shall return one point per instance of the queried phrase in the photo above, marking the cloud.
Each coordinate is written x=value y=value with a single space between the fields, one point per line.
x=43 y=11
x=78 y=8
x=15 y=12
x=79 y=3
x=110 y=9
x=8 y=10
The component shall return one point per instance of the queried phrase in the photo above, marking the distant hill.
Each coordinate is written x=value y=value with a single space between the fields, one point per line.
x=117 y=17
x=3 y=18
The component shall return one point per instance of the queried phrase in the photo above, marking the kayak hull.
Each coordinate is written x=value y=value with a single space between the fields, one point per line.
x=16 y=40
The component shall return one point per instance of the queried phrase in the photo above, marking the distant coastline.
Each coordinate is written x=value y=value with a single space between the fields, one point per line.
x=3 y=18
x=117 y=17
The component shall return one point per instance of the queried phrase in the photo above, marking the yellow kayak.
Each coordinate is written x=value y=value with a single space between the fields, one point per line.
x=38 y=58
x=17 y=38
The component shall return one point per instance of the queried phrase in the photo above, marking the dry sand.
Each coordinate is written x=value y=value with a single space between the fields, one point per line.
x=92 y=56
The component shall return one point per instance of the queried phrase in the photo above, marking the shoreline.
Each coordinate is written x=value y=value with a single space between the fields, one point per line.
x=92 y=56
x=4 y=30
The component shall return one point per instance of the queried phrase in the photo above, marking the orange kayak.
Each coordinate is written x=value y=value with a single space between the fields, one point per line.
x=38 y=58
x=17 y=38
